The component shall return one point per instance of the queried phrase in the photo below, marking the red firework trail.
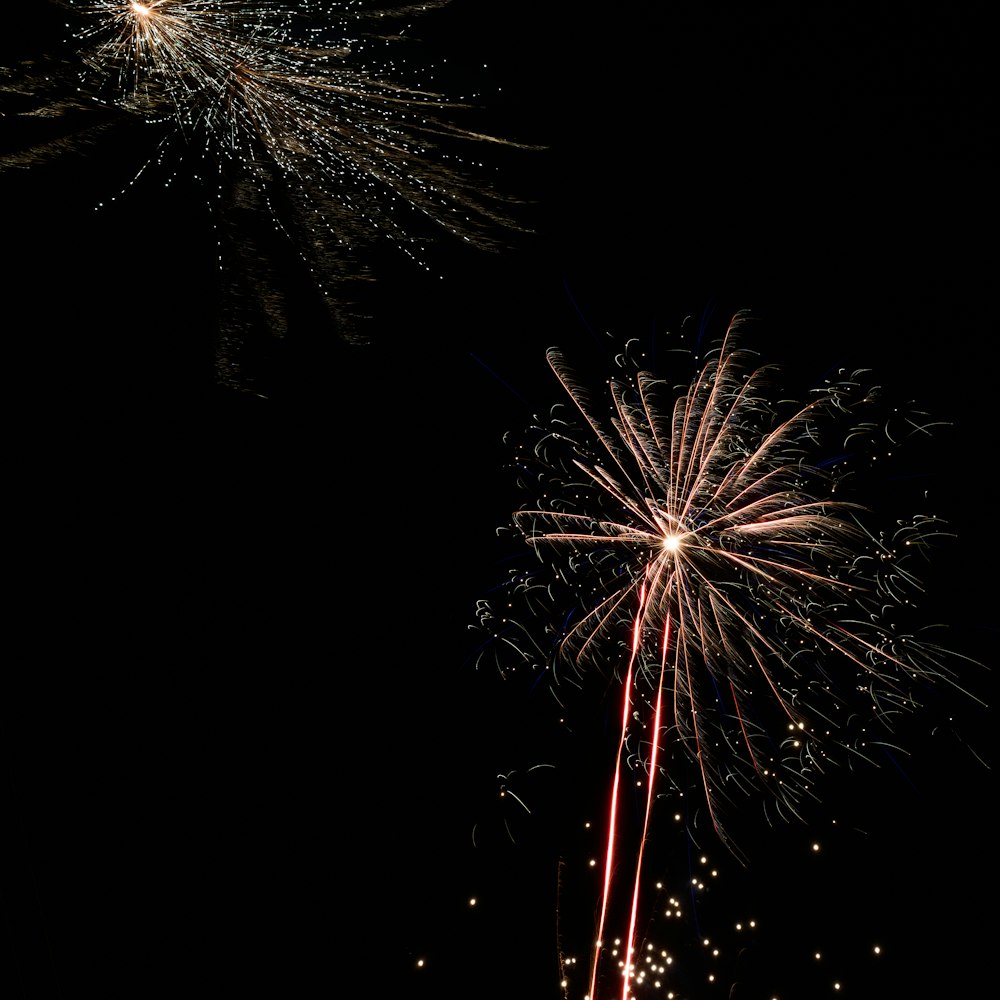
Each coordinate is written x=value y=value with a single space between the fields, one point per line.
x=654 y=753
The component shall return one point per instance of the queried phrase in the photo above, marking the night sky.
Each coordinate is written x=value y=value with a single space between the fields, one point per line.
x=246 y=743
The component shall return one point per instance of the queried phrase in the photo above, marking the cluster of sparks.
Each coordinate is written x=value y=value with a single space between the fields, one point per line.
x=301 y=115
x=265 y=86
x=693 y=947
x=712 y=928
x=760 y=628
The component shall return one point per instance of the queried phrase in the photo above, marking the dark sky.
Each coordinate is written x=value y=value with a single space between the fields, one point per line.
x=246 y=744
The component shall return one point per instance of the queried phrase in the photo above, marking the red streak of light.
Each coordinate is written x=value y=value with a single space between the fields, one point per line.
x=629 y=944
x=613 y=812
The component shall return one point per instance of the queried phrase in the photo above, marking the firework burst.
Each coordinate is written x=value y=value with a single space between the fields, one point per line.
x=298 y=91
x=761 y=628
x=294 y=117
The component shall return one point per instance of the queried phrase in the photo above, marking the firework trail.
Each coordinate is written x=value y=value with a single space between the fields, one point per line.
x=295 y=114
x=700 y=536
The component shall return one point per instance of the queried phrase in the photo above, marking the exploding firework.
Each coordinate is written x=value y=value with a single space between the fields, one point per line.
x=299 y=93
x=312 y=137
x=700 y=543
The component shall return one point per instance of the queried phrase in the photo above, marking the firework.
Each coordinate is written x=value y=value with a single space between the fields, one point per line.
x=295 y=91
x=294 y=114
x=698 y=543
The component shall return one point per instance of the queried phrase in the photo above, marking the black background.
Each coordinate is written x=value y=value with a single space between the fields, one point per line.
x=245 y=741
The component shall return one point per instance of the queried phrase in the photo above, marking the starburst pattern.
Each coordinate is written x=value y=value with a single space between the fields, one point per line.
x=295 y=90
x=311 y=135
x=761 y=626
